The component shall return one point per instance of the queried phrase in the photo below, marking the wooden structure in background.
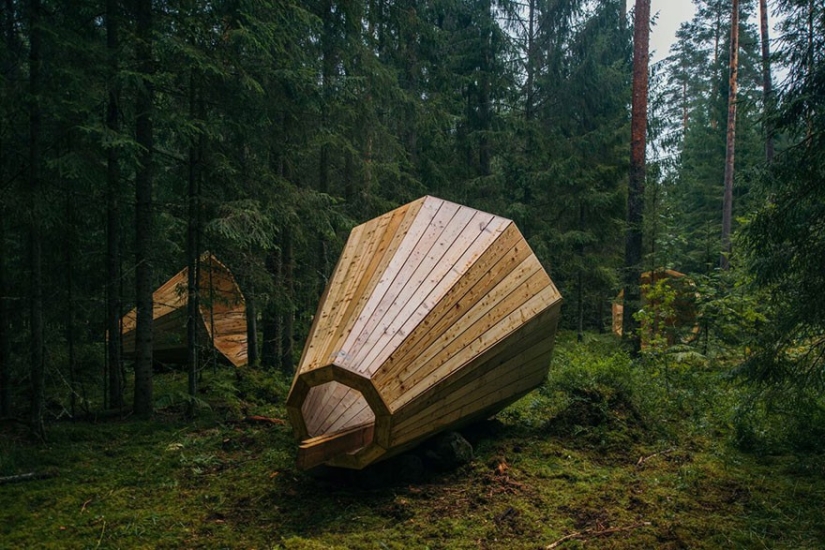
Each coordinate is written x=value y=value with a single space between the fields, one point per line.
x=222 y=321
x=684 y=308
x=436 y=315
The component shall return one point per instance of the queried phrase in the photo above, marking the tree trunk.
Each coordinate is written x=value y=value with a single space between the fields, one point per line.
x=251 y=326
x=70 y=250
x=12 y=44
x=730 y=140
x=270 y=346
x=636 y=187
x=143 y=213
x=531 y=60
x=193 y=252
x=5 y=348
x=767 y=81
x=717 y=40
x=288 y=312
x=113 y=304
x=35 y=225
x=580 y=281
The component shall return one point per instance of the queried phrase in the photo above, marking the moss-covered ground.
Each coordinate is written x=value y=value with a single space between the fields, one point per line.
x=608 y=454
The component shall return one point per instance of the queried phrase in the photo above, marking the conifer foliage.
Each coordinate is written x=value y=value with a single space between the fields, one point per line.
x=263 y=131
x=136 y=136
x=786 y=237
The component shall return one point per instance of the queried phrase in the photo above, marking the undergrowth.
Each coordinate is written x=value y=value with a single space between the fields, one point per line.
x=609 y=453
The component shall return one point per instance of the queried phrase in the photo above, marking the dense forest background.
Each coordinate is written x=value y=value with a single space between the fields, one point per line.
x=136 y=135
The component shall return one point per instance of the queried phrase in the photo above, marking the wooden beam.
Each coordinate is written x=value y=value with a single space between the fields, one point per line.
x=318 y=450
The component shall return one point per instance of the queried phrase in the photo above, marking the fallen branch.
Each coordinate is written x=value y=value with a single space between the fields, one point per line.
x=644 y=459
x=596 y=533
x=268 y=420
x=31 y=476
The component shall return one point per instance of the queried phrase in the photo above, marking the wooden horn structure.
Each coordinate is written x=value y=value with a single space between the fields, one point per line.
x=222 y=321
x=436 y=315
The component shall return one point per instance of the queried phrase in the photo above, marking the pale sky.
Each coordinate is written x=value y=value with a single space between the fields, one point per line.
x=671 y=14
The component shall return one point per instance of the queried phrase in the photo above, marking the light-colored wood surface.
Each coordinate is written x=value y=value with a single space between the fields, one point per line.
x=316 y=451
x=436 y=313
x=222 y=320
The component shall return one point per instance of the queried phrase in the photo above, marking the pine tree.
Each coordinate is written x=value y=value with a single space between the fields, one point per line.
x=695 y=94
x=730 y=136
x=113 y=214
x=143 y=403
x=635 y=197
x=38 y=381
x=785 y=240
x=767 y=80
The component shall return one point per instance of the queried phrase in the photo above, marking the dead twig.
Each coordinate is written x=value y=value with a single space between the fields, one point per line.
x=595 y=533
x=266 y=419
x=31 y=476
x=644 y=459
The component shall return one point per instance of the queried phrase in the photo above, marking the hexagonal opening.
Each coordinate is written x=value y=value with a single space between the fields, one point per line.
x=334 y=407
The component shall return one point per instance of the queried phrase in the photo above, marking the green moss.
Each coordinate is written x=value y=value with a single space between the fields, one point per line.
x=618 y=452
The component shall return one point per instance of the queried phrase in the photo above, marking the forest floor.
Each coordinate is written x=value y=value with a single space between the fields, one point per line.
x=608 y=454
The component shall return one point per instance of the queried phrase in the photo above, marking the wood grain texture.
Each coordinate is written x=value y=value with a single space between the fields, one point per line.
x=222 y=315
x=436 y=313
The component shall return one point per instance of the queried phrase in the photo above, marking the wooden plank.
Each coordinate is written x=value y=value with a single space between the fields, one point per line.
x=314 y=452
x=411 y=295
x=406 y=282
x=506 y=370
x=366 y=319
x=539 y=329
x=343 y=412
x=340 y=289
x=482 y=275
x=393 y=234
x=445 y=271
x=357 y=412
x=296 y=398
x=348 y=294
x=327 y=397
x=483 y=334
x=487 y=310
x=357 y=460
x=341 y=277
x=486 y=395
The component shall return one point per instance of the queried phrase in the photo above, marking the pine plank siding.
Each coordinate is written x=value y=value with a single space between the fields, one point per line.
x=222 y=316
x=436 y=314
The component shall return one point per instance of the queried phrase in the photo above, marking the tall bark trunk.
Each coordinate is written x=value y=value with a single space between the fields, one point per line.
x=70 y=251
x=35 y=225
x=767 y=80
x=271 y=344
x=531 y=60
x=12 y=45
x=636 y=186
x=580 y=281
x=193 y=251
x=251 y=326
x=484 y=96
x=730 y=140
x=5 y=348
x=143 y=213
x=717 y=42
x=113 y=300
x=811 y=68
x=288 y=315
